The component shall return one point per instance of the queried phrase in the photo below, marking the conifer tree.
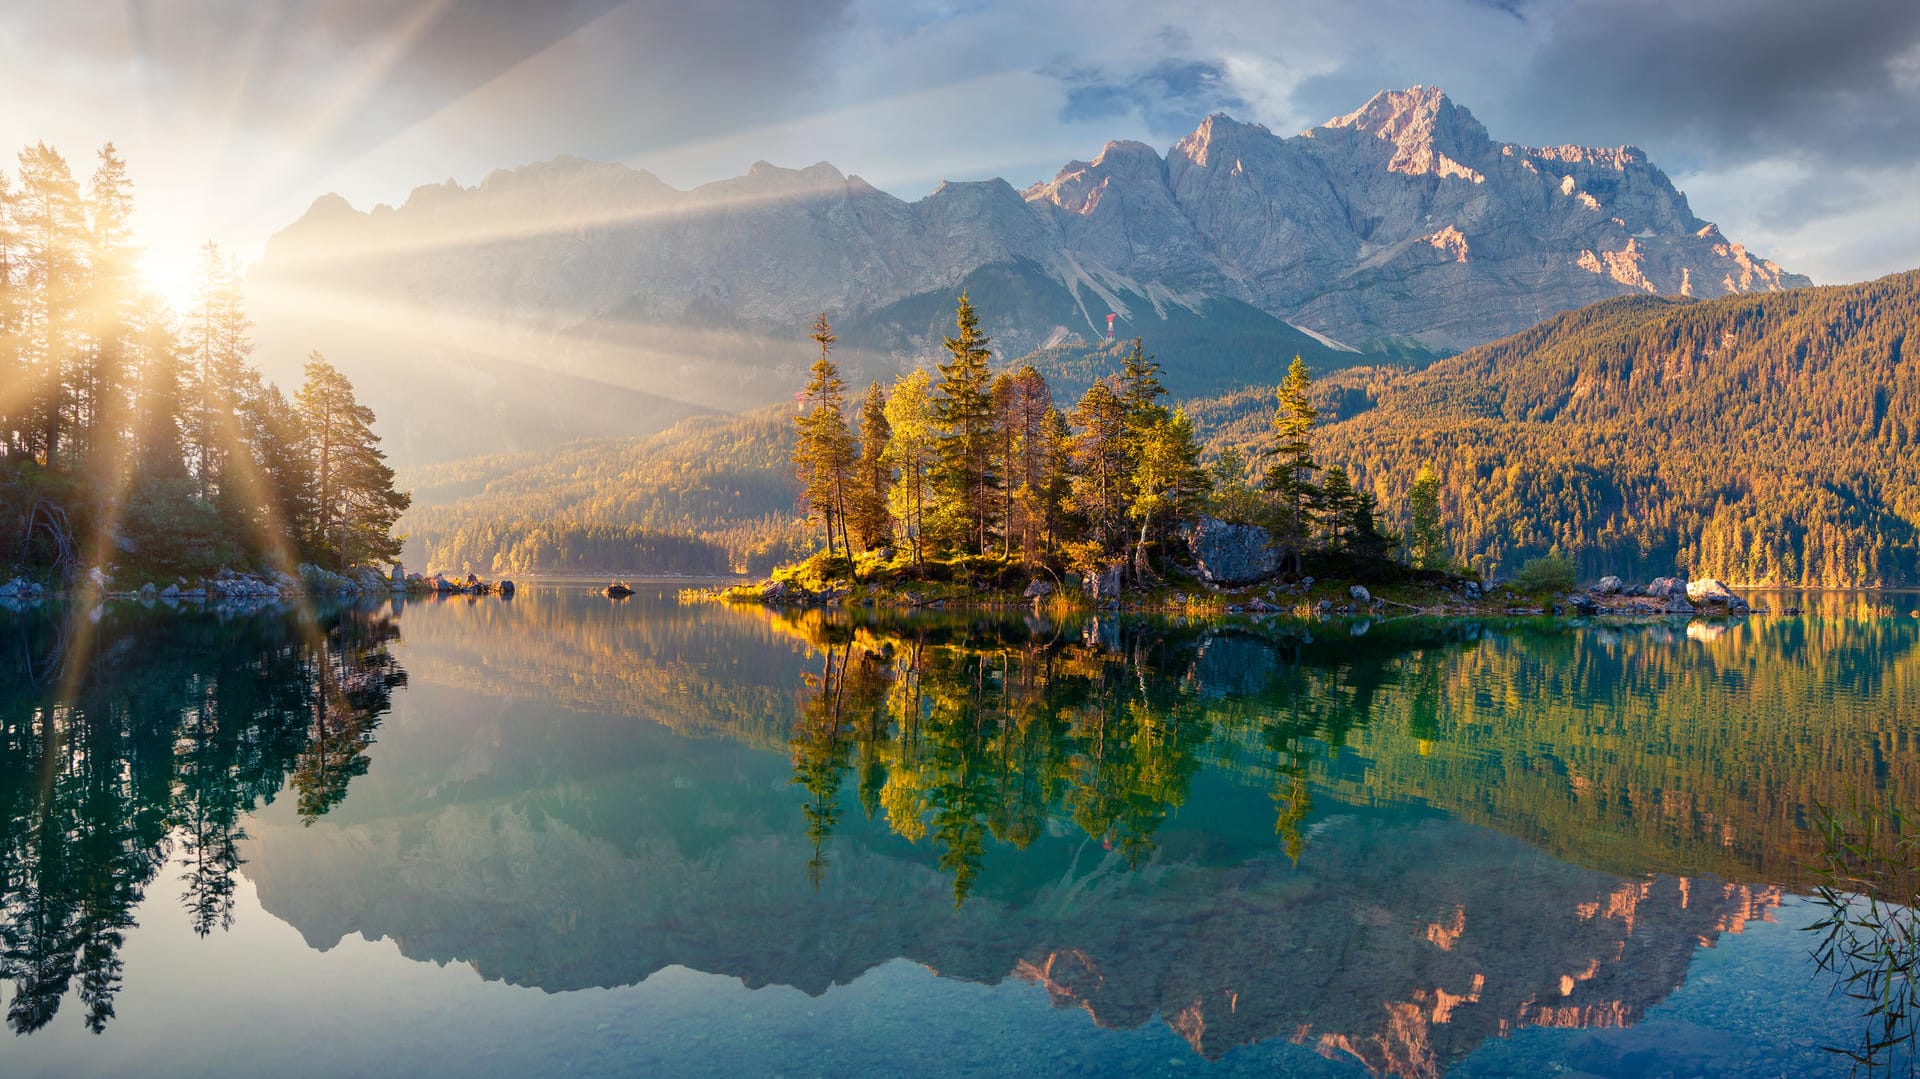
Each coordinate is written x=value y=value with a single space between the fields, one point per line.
x=354 y=504
x=964 y=408
x=1426 y=535
x=1290 y=475
x=823 y=450
x=912 y=454
x=220 y=380
x=1336 y=506
x=51 y=225
x=1168 y=481
x=104 y=382
x=1031 y=461
x=873 y=476
x=1102 y=465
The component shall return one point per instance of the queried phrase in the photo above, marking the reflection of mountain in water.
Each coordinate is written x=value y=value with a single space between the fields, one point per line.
x=1117 y=809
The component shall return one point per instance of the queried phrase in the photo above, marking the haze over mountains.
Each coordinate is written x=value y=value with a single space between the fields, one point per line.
x=570 y=298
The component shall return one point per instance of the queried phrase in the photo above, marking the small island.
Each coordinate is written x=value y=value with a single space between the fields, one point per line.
x=977 y=491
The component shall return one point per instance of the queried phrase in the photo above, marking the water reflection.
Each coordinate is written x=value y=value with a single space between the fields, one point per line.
x=1388 y=847
x=159 y=742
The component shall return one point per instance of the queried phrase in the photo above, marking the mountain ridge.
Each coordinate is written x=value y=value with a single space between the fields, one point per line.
x=1401 y=226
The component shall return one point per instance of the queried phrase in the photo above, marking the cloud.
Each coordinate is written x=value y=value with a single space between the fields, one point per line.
x=1732 y=81
x=1171 y=96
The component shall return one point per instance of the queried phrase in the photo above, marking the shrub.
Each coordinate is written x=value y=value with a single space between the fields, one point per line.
x=1549 y=573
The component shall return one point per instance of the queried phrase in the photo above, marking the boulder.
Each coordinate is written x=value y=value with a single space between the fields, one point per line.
x=12 y=588
x=98 y=578
x=1678 y=605
x=1232 y=554
x=172 y=591
x=1608 y=586
x=1666 y=587
x=618 y=590
x=1360 y=593
x=1710 y=592
x=506 y=589
x=1037 y=588
x=149 y=592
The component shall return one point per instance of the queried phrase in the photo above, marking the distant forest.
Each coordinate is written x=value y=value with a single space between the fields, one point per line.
x=1763 y=439
x=134 y=440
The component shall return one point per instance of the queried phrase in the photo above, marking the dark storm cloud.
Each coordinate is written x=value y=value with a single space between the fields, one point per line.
x=1171 y=97
x=1733 y=80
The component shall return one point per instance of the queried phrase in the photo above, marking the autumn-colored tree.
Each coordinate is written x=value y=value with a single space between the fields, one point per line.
x=872 y=475
x=912 y=453
x=1289 y=476
x=823 y=452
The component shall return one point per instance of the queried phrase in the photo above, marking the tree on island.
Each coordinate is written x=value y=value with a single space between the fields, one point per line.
x=823 y=449
x=964 y=408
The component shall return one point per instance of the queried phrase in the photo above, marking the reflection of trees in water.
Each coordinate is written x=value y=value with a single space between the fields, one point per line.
x=172 y=729
x=961 y=737
x=966 y=732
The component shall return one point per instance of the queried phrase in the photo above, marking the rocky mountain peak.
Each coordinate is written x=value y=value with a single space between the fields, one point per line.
x=1216 y=137
x=1430 y=134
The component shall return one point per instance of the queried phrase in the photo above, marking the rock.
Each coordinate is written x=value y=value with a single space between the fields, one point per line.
x=1666 y=587
x=1261 y=606
x=98 y=578
x=1678 y=605
x=1709 y=592
x=149 y=592
x=1306 y=582
x=1104 y=585
x=170 y=592
x=12 y=589
x=619 y=590
x=505 y=589
x=1037 y=588
x=1608 y=586
x=1471 y=589
x=1360 y=593
x=1231 y=554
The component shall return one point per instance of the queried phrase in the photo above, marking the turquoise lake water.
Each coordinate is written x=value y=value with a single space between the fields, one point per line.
x=560 y=835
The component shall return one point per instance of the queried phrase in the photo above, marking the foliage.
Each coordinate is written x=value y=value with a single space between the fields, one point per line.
x=167 y=452
x=1868 y=879
x=1548 y=573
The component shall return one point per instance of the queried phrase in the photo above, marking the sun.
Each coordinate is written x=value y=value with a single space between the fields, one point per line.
x=173 y=278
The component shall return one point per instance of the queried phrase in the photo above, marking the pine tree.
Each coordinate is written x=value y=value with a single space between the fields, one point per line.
x=1336 y=506
x=1426 y=536
x=1032 y=460
x=51 y=224
x=873 y=476
x=1168 y=481
x=823 y=448
x=104 y=382
x=1290 y=476
x=1102 y=466
x=964 y=408
x=12 y=372
x=354 y=502
x=912 y=454
x=219 y=378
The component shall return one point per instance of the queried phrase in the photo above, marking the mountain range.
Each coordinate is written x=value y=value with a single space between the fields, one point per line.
x=573 y=297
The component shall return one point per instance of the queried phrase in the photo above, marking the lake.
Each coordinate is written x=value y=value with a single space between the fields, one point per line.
x=565 y=835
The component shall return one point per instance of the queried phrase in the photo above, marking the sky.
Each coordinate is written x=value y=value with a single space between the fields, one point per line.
x=1794 y=125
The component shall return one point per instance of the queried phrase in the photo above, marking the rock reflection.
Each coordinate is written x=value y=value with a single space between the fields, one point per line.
x=157 y=743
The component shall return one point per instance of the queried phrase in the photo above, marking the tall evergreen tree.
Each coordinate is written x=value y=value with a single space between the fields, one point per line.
x=51 y=223
x=104 y=383
x=964 y=408
x=823 y=450
x=1168 y=482
x=220 y=380
x=1336 y=506
x=873 y=476
x=354 y=503
x=1290 y=475
x=1032 y=461
x=1102 y=467
x=1426 y=535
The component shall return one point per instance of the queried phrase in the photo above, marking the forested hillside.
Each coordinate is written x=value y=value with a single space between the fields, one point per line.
x=1755 y=438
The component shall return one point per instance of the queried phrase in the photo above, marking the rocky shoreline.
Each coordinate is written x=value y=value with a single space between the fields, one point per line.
x=229 y=589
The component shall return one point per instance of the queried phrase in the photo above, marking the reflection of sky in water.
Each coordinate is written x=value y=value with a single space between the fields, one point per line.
x=519 y=820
